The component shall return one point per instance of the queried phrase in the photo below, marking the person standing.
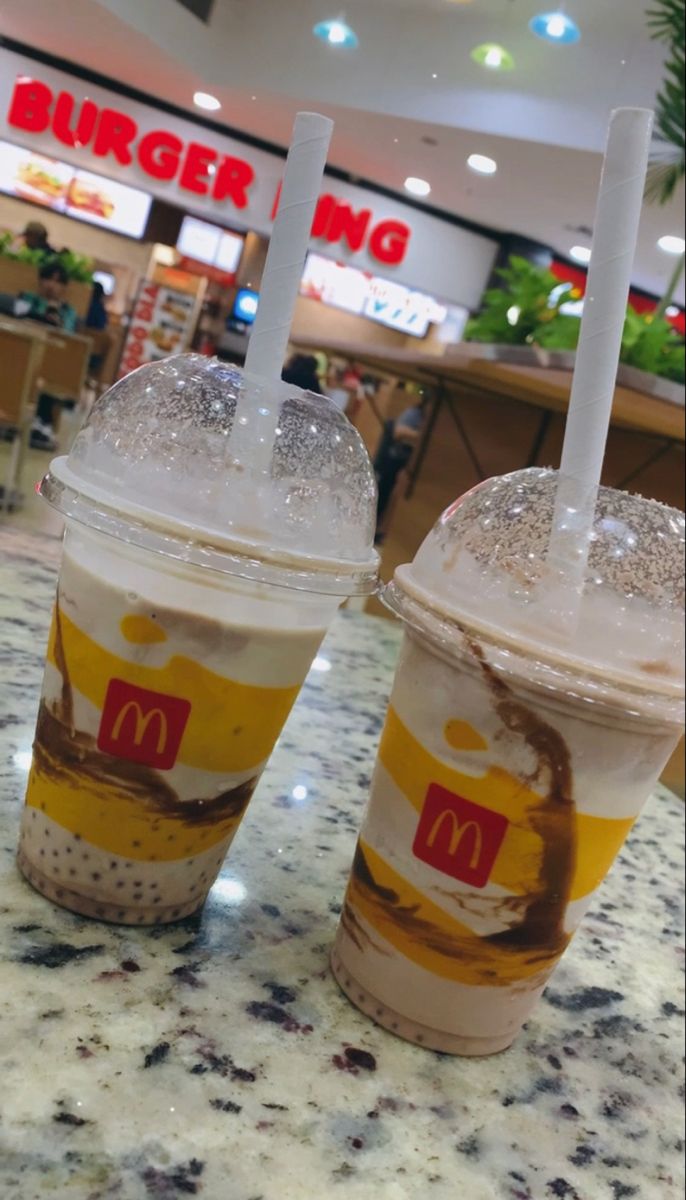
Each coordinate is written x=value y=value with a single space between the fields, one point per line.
x=97 y=320
x=97 y=317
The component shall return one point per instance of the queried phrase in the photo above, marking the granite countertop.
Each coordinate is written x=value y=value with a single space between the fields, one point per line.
x=217 y=1057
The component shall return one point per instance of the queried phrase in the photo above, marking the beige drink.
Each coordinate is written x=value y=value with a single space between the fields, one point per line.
x=155 y=724
x=508 y=775
x=184 y=626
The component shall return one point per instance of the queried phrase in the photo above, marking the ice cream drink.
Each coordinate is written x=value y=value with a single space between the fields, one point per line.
x=156 y=720
x=175 y=656
x=513 y=762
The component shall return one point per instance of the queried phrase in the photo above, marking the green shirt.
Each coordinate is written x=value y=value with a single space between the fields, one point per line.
x=64 y=316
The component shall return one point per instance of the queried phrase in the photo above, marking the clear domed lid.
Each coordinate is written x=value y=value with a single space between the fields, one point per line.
x=485 y=564
x=192 y=457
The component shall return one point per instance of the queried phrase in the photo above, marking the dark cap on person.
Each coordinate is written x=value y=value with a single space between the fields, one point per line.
x=36 y=227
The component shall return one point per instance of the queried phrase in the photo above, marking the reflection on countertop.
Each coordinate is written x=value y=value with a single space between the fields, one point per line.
x=217 y=1057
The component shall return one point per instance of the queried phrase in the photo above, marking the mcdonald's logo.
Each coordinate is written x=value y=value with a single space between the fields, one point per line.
x=458 y=837
x=143 y=726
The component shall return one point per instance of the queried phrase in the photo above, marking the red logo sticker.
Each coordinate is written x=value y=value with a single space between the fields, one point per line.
x=143 y=726
x=458 y=837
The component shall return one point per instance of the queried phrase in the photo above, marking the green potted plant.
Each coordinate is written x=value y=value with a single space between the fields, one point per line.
x=524 y=322
x=651 y=345
x=78 y=266
x=19 y=269
x=525 y=312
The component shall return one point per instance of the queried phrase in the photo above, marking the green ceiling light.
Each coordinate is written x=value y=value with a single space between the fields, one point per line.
x=492 y=56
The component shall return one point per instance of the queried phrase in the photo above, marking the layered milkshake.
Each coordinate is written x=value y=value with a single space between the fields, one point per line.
x=155 y=724
x=512 y=765
x=194 y=591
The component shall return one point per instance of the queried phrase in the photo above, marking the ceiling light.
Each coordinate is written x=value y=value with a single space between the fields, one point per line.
x=496 y=58
x=672 y=245
x=580 y=254
x=482 y=164
x=555 y=27
x=204 y=100
x=418 y=187
x=336 y=33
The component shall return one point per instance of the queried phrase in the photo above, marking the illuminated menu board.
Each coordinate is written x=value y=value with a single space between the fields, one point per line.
x=65 y=189
x=370 y=296
x=209 y=244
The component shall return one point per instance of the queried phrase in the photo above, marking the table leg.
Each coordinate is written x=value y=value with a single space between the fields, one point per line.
x=539 y=438
x=418 y=459
x=649 y=462
x=471 y=453
x=12 y=475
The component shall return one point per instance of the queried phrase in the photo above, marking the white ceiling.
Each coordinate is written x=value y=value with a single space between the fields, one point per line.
x=544 y=122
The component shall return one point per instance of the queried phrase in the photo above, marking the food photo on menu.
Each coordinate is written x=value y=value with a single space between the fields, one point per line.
x=90 y=198
x=43 y=180
x=53 y=184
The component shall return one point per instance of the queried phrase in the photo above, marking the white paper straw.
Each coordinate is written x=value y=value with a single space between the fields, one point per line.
x=288 y=245
x=607 y=290
x=590 y=406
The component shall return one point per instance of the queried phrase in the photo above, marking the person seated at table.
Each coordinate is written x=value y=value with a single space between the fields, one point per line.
x=398 y=441
x=48 y=303
x=336 y=389
x=49 y=306
x=301 y=371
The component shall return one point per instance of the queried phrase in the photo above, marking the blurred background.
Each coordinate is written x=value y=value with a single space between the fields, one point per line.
x=141 y=150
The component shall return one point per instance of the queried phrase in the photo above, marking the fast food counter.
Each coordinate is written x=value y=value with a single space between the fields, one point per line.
x=217 y=1057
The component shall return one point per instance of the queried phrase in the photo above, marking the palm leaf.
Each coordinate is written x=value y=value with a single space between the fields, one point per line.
x=662 y=181
x=667 y=22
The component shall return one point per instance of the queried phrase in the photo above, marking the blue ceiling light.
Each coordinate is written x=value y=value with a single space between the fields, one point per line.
x=336 y=33
x=555 y=27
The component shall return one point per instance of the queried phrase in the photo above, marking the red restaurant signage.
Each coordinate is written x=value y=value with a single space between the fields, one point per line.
x=195 y=167
x=161 y=324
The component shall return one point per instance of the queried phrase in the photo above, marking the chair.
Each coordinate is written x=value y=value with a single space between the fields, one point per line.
x=102 y=342
x=64 y=367
x=21 y=355
x=65 y=363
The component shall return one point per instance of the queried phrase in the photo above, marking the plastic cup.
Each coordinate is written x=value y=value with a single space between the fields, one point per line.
x=194 y=591
x=513 y=762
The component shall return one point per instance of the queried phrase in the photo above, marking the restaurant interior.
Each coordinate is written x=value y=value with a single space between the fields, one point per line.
x=342 y=491
x=448 y=165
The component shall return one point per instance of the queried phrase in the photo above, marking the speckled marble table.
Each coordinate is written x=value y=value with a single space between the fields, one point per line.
x=217 y=1058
